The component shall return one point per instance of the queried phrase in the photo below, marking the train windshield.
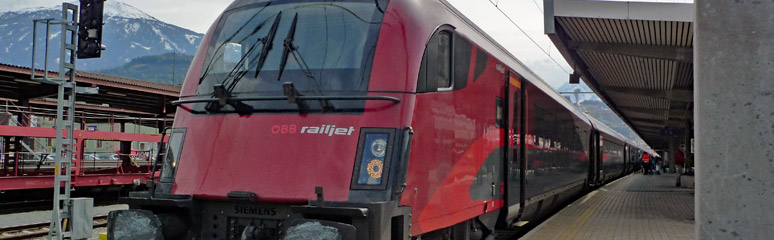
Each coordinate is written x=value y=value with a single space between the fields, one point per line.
x=322 y=48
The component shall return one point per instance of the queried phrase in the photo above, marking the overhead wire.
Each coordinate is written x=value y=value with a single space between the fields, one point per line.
x=538 y=6
x=496 y=5
x=529 y=37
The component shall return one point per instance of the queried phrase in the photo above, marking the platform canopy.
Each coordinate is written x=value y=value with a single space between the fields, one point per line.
x=637 y=56
x=116 y=94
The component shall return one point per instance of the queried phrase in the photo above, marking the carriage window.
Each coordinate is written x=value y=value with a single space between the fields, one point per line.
x=444 y=60
x=445 y=63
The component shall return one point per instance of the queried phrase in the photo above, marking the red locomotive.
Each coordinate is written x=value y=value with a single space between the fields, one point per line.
x=361 y=119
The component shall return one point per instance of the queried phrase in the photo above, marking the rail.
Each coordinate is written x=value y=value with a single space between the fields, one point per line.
x=38 y=229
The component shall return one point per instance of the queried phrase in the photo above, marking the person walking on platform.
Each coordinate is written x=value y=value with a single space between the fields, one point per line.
x=679 y=161
x=646 y=163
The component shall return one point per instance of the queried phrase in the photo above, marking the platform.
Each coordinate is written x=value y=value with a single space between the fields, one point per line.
x=634 y=207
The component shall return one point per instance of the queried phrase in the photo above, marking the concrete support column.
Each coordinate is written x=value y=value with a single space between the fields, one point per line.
x=734 y=118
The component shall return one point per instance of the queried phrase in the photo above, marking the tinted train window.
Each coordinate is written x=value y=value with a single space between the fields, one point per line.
x=463 y=50
x=446 y=62
x=333 y=44
x=481 y=59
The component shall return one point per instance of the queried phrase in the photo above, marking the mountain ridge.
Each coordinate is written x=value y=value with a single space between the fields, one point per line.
x=128 y=33
x=167 y=68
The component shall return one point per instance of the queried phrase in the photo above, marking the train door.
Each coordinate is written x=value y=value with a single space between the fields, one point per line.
x=600 y=174
x=515 y=145
x=627 y=160
x=594 y=158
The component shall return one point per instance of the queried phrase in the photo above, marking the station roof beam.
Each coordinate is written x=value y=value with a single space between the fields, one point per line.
x=637 y=56
x=116 y=94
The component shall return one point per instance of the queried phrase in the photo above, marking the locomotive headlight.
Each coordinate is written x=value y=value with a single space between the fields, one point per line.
x=373 y=158
x=379 y=147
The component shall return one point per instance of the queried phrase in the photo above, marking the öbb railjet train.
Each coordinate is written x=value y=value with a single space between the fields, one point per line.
x=364 y=119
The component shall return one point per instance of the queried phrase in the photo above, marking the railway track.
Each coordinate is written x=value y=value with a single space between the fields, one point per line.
x=42 y=205
x=38 y=229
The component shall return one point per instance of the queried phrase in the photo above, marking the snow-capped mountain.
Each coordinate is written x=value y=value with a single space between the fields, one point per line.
x=577 y=93
x=128 y=33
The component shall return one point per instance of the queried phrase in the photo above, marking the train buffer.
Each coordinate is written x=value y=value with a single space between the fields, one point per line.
x=634 y=207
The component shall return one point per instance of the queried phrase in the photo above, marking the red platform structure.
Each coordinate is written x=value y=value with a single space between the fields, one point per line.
x=20 y=169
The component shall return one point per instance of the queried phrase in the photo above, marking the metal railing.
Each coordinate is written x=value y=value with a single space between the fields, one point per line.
x=28 y=113
x=14 y=164
x=96 y=161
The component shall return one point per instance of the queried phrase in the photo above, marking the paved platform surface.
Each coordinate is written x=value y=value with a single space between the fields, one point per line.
x=634 y=207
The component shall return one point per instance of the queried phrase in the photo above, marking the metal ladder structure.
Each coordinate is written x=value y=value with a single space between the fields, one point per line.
x=65 y=115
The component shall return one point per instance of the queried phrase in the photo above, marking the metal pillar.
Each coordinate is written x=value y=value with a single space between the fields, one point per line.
x=687 y=138
x=670 y=153
x=734 y=119
x=65 y=120
x=24 y=118
x=64 y=115
x=122 y=125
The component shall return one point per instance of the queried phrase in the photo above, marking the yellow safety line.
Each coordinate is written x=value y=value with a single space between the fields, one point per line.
x=572 y=230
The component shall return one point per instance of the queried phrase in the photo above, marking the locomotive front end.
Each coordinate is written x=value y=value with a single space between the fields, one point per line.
x=281 y=132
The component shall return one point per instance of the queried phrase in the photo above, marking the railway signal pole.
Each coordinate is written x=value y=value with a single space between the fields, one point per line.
x=63 y=216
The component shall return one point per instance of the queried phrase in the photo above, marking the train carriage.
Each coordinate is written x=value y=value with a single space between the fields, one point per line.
x=361 y=119
x=610 y=149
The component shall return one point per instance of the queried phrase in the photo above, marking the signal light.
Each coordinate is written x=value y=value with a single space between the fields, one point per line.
x=90 y=29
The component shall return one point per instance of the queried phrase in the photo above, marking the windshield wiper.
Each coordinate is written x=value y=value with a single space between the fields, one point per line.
x=268 y=42
x=255 y=30
x=288 y=48
x=228 y=40
x=224 y=93
x=220 y=92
